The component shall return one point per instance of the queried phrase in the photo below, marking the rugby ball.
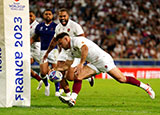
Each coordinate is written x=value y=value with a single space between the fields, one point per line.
x=55 y=76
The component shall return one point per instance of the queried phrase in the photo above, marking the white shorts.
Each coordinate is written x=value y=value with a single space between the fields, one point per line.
x=77 y=61
x=65 y=55
x=35 y=51
x=52 y=56
x=105 y=63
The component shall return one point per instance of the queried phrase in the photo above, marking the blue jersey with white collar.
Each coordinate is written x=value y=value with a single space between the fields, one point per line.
x=46 y=33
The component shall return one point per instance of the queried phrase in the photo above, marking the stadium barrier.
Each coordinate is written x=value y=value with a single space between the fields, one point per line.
x=14 y=53
x=135 y=62
x=145 y=73
x=145 y=69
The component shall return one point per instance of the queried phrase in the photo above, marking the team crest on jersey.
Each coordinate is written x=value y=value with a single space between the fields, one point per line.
x=106 y=66
x=41 y=28
x=68 y=30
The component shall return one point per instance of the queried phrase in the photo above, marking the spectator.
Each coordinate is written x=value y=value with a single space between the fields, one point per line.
x=120 y=20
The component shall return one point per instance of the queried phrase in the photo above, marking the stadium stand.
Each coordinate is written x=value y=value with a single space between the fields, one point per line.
x=124 y=28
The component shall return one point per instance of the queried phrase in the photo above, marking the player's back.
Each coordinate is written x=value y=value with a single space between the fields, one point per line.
x=94 y=51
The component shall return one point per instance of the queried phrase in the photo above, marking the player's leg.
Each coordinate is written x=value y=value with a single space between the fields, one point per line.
x=33 y=73
x=118 y=75
x=62 y=66
x=91 y=81
x=57 y=85
x=87 y=71
x=64 y=84
x=43 y=72
x=35 y=56
x=75 y=88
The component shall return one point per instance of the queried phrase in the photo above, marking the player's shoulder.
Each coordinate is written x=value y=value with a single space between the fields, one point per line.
x=73 y=22
x=53 y=23
x=36 y=22
x=58 y=25
x=41 y=24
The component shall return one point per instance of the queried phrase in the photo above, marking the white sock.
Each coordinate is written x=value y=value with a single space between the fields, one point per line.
x=74 y=95
x=68 y=94
x=144 y=86
x=89 y=79
x=44 y=77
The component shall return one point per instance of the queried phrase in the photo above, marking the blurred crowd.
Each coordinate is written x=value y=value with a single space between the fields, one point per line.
x=123 y=28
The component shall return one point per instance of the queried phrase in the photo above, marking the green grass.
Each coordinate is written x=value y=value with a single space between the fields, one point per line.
x=107 y=97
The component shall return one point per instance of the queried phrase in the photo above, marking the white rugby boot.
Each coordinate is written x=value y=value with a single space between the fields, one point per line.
x=68 y=100
x=150 y=92
x=61 y=91
x=47 y=90
x=91 y=81
x=57 y=94
x=40 y=85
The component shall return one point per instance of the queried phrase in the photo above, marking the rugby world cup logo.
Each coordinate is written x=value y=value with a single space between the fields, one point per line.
x=17 y=5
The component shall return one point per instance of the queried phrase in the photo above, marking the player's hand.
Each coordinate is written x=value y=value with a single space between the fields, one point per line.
x=50 y=70
x=45 y=57
x=78 y=69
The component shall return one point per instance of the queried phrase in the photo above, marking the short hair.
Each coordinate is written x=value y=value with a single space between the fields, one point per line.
x=47 y=10
x=64 y=10
x=61 y=35
x=31 y=11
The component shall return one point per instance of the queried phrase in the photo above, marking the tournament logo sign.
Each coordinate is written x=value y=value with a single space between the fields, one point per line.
x=16 y=5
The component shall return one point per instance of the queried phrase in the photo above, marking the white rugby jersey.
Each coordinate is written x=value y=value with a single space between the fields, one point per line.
x=94 y=51
x=32 y=28
x=72 y=28
x=35 y=45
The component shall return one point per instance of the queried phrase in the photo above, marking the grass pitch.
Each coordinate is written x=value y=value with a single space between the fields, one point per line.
x=106 y=97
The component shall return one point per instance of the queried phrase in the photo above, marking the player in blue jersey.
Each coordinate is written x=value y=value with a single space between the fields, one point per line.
x=45 y=32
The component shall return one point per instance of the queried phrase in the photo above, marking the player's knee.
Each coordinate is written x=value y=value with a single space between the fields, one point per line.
x=43 y=72
x=122 y=80
x=78 y=78
x=70 y=77
x=43 y=76
x=70 y=74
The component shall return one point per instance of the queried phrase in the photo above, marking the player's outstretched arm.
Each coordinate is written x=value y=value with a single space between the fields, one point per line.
x=84 y=54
